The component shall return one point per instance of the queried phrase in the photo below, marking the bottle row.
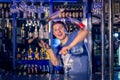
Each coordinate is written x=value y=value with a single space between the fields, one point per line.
x=75 y=11
x=43 y=68
x=97 y=8
x=5 y=10
x=24 y=10
x=38 y=54
x=41 y=11
x=33 y=69
x=5 y=29
x=33 y=30
x=30 y=29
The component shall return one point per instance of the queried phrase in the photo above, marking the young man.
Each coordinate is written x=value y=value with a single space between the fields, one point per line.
x=71 y=50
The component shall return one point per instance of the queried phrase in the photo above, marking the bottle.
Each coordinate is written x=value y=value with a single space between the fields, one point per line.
x=41 y=32
x=23 y=31
x=5 y=53
x=118 y=53
x=54 y=15
x=77 y=22
x=10 y=30
x=1 y=10
x=46 y=32
x=47 y=11
x=30 y=34
x=18 y=54
x=36 y=68
x=37 y=54
x=36 y=32
x=42 y=53
x=6 y=29
x=23 y=54
x=32 y=68
x=30 y=54
x=1 y=34
x=47 y=55
x=28 y=68
x=5 y=8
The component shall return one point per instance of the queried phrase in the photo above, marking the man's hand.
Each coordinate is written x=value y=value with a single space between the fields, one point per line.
x=64 y=50
x=43 y=44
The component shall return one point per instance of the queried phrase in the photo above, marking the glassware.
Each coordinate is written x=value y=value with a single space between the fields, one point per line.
x=80 y=24
x=54 y=15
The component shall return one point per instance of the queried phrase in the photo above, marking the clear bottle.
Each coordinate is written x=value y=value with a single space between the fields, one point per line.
x=46 y=32
x=35 y=32
x=41 y=32
x=77 y=22
x=54 y=15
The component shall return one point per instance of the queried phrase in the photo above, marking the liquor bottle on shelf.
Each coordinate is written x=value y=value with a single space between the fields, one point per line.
x=28 y=68
x=23 y=31
x=32 y=68
x=41 y=32
x=10 y=30
x=1 y=10
x=40 y=68
x=36 y=68
x=6 y=11
x=30 y=54
x=25 y=69
x=46 y=32
x=1 y=34
x=47 y=55
x=8 y=8
x=44 y=69
x=5 y=51
x=23 y=53
x=6 y=29
x=36 y=32
x=5 y=5
x=18 y=54
x=42 y=53
x=30 y=34
x=47 y=11
x=37 y=54
x=47 y=68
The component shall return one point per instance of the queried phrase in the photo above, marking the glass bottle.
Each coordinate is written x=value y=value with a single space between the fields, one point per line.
x=36 y=54
x=41 y=32
x=18 y=54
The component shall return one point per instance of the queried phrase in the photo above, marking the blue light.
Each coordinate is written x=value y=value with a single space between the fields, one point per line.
x=116 y=35
x=56 y=42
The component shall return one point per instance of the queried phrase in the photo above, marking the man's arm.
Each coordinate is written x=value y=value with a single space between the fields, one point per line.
x=53 y=57
x=79 y=38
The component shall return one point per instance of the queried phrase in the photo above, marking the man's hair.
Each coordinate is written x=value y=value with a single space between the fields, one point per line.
x=59 y=22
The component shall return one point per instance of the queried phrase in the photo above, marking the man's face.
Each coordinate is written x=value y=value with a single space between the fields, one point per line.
x=59 y=31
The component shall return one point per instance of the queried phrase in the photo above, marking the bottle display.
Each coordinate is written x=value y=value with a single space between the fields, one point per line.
x=32 y=26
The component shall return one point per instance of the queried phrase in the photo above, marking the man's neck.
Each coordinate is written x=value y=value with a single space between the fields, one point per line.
x=63 y=41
